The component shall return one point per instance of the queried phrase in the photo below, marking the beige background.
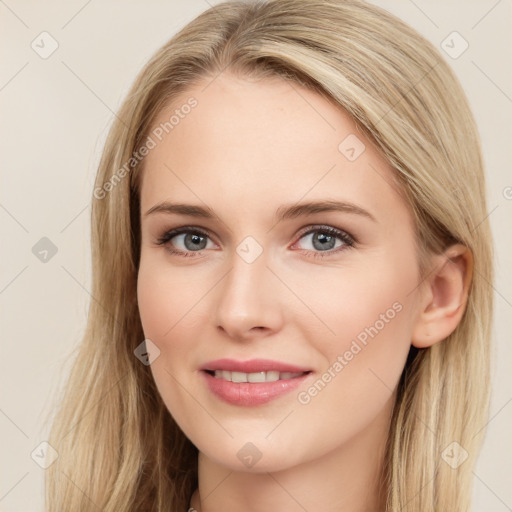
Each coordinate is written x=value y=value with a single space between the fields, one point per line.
x=55 y=114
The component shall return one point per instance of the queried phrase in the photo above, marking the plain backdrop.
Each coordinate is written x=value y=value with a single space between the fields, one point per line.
x=55 y=114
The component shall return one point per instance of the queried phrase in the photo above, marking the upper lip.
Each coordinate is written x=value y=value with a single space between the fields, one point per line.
x=253 y=366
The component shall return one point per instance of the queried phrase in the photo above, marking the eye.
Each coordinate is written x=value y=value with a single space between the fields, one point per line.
x=326 y=241
x=187 y=240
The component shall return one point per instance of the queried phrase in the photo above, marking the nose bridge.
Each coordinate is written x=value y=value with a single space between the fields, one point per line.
x=248 y=296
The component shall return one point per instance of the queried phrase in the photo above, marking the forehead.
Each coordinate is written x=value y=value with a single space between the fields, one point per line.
x=262 y=142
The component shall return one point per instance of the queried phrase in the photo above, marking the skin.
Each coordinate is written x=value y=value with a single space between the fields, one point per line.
x=245 y=150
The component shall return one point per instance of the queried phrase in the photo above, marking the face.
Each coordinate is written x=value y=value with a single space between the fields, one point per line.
x=317 y=301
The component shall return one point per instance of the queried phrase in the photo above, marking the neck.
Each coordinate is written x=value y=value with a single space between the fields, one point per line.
x=349 y=478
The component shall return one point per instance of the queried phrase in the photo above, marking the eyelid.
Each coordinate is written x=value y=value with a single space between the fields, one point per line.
x=168 y=234
x=342 y=233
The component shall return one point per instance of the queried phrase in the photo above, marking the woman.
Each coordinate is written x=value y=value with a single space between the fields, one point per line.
x=290 y=267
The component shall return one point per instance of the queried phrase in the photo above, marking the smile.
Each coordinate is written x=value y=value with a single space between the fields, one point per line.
x=251 y=383
x=270 y=376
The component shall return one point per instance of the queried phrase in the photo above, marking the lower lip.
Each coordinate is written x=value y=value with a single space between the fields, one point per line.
x=251 y=393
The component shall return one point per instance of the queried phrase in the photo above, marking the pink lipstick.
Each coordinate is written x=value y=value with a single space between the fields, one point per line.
x=252 y=382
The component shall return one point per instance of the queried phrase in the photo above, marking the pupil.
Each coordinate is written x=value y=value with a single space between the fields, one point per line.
x=196 y=239
x=325 y=241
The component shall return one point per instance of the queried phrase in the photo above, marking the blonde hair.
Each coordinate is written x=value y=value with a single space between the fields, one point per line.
x=119 y=448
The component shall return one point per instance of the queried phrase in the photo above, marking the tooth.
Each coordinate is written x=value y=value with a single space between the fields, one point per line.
x=238 y=377
x=272 y=376
x=256 y=377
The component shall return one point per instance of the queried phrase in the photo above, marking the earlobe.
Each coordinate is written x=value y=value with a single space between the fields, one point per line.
x=444 y=296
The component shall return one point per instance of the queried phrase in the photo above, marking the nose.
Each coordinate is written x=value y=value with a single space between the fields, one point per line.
x=248 y=300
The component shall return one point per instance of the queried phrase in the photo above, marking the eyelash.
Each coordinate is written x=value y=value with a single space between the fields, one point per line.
x=348 y=240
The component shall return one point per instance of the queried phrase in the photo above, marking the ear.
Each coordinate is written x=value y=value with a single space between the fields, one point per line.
x=444 y=295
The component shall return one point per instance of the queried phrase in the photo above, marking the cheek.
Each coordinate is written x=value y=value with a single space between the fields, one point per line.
x=166 y=310
x=370 y=313
x=168 y=297
x=371 y=308
x=362 y=363
x=172 y=306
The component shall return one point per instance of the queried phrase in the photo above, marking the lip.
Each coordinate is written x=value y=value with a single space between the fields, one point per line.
x=253 y=366
x=251 y=393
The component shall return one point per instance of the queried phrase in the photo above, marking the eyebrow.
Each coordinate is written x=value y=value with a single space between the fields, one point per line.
x=284 y=212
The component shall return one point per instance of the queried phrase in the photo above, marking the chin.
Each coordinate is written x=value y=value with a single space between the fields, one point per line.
x=257 y=456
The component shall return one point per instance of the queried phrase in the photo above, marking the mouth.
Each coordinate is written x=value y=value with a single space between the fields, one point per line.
x=255 y=377
x=254 y=382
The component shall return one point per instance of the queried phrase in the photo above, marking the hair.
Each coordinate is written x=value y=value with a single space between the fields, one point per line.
x=119 y=448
